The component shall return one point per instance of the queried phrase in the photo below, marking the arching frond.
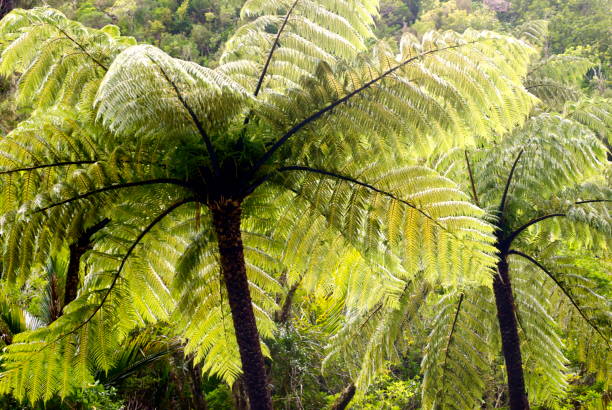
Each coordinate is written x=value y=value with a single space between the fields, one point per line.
x=463 y=341
x=59 y=60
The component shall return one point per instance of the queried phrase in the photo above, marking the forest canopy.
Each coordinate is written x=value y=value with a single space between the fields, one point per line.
x=305 y=204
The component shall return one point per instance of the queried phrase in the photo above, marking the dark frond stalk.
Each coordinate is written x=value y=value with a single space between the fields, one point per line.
x=472 y=184
x=272 y=49
x=226 y=216
x=363 y=184
x=34 y=167
x=565 y=291
x=508 y=325
x=534 y=221
x=293 y=130
x=502 y=204
x=196 y=121
x=592 y=201
x=82 y=47
x=195 y=372
x=77 y=250
x=115 y=187
x=452 y=331
x=124 y=260
x=283 y=315
x=345 y=397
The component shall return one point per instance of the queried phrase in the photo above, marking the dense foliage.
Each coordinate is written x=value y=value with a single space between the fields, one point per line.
x=305 y=204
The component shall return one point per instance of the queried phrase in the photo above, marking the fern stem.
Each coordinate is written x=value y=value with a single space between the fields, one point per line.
x=566 y=292
x=272 y=49
x=363 y=184
x=502 y=204
x=519 y=230
x=209 y=147
x=82 y=47
x=473 y=185
x=115 y=187
x=293 y=130
x=57 y=164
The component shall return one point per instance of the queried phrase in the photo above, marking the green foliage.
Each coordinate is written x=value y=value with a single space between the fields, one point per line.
x=396 y=251
x=389 y=392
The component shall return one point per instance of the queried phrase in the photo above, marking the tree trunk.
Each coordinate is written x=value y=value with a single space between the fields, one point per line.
x=282 y=316
x=77 y=250
x=226 y=220
x=508 y=326
x=195 y=371
x=345 y=397
x=6 y=6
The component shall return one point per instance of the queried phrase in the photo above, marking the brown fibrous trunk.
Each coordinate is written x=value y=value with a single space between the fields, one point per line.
x=508 y=325
x=77 y=250
x=346 y=395
x=226 y=220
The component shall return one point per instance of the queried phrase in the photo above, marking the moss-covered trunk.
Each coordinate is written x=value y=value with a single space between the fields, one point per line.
x=226 y=220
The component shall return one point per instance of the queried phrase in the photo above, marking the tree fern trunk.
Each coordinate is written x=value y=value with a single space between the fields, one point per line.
x=6 y=6
x=345 y=397
x=77 y=250
x=508 y=326
x=226 y=220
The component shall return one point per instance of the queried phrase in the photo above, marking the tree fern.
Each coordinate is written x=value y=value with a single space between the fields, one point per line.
x=192 y=164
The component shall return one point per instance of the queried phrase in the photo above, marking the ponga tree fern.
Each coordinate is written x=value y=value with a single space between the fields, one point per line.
x=546 y=186
x=194 y=165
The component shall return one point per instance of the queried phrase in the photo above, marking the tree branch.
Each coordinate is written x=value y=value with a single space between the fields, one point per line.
x=209 y=147
x=57 y=164
x=469 y=168
x=566 y=292
x=293 y=130
x=114 y=187
x=503 y=200
x=363 y=184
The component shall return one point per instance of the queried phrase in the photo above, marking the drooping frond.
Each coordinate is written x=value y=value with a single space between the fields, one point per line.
x=413 y=212
x=463 y=341
x=574 y=301
x=380 y=332
x=125 y=288
x=556 y=79
x=147 y=92
x=594 y=113
x=59 y=60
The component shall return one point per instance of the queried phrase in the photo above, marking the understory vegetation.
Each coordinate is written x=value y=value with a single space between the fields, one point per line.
x=305 y=204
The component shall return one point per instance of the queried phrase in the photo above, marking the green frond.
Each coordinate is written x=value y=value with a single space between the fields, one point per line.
x=48 y=49
x=463 y=341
